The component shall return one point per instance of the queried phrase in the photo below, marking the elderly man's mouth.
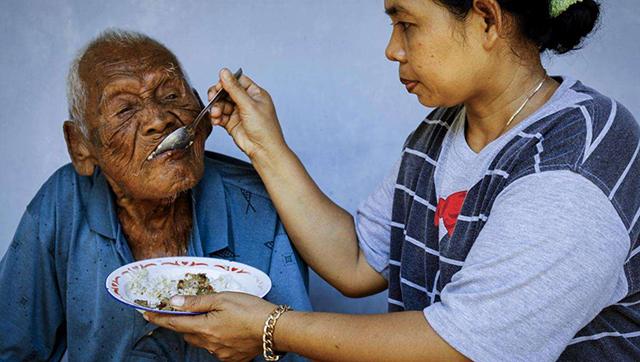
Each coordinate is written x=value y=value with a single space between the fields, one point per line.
x=171 y=155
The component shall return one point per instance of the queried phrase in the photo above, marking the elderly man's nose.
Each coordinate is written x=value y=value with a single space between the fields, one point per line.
x=161 y=123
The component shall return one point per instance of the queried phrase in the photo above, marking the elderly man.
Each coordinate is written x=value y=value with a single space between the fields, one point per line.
x=113 y=206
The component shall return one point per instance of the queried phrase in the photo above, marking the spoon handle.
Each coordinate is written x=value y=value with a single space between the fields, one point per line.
x=221 y=93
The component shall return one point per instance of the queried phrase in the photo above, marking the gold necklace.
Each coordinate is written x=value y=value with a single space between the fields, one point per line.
x=533 y=93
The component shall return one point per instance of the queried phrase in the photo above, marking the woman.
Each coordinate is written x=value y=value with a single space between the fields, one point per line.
x=506 y=231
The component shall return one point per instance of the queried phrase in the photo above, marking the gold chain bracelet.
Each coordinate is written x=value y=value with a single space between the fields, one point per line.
x=267 y=333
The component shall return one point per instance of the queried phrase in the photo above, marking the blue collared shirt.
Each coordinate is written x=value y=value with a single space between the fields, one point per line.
x=69 y=239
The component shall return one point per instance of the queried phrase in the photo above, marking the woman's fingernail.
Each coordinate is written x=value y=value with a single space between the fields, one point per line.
x=226 y=74
x=145 y=316
x=177 y=301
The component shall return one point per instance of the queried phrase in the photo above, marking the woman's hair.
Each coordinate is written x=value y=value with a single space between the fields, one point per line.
x=561 y=34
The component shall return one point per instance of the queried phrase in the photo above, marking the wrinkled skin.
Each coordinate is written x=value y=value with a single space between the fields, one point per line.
x=136 y=96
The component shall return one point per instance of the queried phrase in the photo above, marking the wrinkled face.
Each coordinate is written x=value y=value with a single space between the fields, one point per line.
x=137 y=96
x=438 y=57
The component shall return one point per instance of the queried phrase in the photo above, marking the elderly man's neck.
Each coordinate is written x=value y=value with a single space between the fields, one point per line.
x=156 y=228
x=154 y=212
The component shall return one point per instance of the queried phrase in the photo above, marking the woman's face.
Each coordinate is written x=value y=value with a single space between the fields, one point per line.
x=440 y=56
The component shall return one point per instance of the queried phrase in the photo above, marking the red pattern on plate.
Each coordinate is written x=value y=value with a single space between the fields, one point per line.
x=183 y=263
x=142 y=266
x=232 y=269
x=115 y=284
x=136 y=267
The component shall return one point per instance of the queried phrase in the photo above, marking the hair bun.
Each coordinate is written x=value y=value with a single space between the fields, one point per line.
x=569 y=29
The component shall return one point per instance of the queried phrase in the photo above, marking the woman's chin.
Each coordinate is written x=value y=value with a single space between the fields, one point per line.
x=430 y=101
x=427 y=101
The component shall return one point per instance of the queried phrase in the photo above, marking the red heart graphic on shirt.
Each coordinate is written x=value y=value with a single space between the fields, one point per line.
x=448 y=209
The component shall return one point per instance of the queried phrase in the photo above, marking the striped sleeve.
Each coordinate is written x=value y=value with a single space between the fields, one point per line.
x=373 y=223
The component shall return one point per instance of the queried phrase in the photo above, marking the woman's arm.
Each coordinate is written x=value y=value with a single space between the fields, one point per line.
x=322 y=232
x=233 y=334
x=404 y=336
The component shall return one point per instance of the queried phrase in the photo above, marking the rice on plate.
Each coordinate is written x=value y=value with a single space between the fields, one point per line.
x=148 y=284
x=154 y=291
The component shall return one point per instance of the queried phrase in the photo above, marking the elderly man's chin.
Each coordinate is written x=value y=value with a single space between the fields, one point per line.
x=166 y=176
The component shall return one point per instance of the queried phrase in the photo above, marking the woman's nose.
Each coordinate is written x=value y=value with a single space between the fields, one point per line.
x=395 y=49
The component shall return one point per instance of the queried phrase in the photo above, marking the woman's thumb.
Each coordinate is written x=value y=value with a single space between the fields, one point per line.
x=197 y=304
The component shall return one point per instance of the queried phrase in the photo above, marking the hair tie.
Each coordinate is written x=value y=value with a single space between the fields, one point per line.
x=560 y=6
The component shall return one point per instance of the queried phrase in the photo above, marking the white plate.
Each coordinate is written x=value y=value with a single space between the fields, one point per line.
x=249 y=279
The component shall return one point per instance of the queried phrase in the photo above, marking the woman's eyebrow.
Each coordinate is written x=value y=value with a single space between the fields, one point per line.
x=395 y=10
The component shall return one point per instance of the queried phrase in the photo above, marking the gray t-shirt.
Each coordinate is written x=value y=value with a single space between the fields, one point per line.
x=547 y=261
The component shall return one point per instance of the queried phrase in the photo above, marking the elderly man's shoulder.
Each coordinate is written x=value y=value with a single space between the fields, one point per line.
x=62 y=187
x=235 y=172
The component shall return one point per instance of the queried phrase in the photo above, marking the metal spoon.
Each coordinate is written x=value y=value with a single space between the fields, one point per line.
x=183 y=136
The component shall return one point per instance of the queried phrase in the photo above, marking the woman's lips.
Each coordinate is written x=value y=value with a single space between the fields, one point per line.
x=409 y=84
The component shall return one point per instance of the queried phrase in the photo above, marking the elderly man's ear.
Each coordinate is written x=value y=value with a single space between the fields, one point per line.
x=195 y=93
x=77 y=145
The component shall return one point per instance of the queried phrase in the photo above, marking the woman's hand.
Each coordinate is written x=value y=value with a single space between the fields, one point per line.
x=231 y=328
x=249 y=117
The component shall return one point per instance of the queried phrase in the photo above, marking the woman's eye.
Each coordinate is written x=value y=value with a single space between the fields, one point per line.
x=403 y=25
x=171 y=97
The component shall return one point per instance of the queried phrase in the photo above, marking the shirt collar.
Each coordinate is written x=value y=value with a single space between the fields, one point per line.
x=101 y=213
x=209 y=209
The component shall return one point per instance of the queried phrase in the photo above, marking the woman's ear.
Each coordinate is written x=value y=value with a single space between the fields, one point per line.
x=78 y=148
x=490 y=14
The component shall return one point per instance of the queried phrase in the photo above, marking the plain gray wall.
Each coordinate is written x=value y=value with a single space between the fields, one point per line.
x=341 y=105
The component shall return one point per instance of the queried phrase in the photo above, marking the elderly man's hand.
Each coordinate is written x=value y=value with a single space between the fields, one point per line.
x=231 y=329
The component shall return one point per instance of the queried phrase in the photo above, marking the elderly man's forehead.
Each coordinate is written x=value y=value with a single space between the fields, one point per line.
x=111 y=58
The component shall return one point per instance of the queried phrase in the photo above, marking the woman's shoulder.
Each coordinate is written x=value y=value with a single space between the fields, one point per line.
x=582 y=122
x=600 y=111
x=588 y=133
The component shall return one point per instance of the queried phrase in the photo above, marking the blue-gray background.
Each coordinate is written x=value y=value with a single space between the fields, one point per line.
x=339 y=100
